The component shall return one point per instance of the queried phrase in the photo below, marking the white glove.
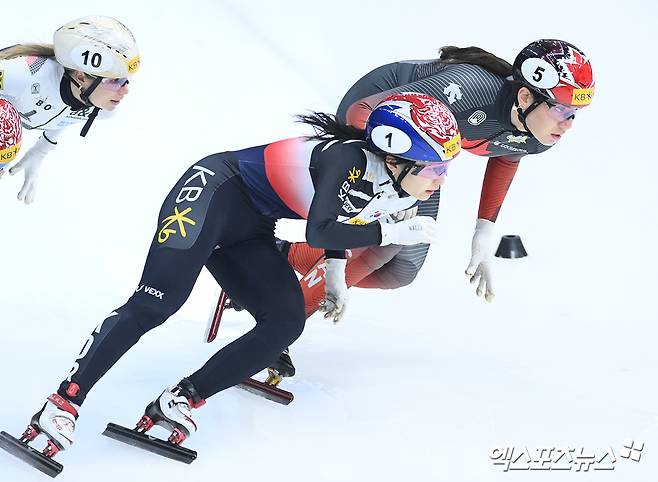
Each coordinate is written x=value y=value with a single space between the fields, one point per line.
x=482 y=251
x=416 y=230
x=30 y=163
x=335 y=288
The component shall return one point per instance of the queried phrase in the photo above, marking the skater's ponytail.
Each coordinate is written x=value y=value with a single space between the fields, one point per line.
x=327 y=128
x=475 y=56
x=27 y=50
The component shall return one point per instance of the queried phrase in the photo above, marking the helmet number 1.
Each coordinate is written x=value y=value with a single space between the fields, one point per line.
x=389 y=136
x=539 y=71
x=96 y=59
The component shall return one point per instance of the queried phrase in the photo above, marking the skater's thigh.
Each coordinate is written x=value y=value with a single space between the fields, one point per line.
x=258 y=277
x=207 y=207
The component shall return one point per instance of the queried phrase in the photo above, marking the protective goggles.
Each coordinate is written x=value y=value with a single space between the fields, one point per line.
x=111 y=84
x=430 y=170
x=560 y=112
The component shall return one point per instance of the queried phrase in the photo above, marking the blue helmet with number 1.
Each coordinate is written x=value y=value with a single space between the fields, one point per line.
x=415 y=127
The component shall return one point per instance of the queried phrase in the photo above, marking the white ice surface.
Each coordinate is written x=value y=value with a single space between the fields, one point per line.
x=417 y=384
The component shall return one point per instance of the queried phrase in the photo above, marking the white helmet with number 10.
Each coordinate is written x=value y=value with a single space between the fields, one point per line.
x=97 y=45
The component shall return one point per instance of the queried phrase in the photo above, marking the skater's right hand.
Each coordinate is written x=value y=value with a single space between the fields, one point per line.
x=401 y=215
x=416 y=230
x=479 y=269
x=335 y=302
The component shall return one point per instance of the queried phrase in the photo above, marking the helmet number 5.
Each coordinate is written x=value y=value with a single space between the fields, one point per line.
x=96 y=59
x=538 y=74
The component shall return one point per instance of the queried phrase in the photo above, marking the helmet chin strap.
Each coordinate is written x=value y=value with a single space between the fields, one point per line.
x=84 y=96
x=397 y=183
x=523 y=114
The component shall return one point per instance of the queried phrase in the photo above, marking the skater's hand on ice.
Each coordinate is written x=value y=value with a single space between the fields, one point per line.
x=30 y=164
x=479 y=269
x=415 y=230
x=335 y=302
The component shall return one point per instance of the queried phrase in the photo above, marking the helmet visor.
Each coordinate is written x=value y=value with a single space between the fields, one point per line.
x=430 y=170
x=111 y=84
x=561 y=112
x=114 y=84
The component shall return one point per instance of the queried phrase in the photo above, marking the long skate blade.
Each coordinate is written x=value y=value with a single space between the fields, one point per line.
x=213 y=324
x=151 y=444
x=267 y=391
x=29 y=455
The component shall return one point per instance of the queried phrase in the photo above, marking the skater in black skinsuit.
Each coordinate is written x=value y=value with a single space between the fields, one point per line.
x=221 y=214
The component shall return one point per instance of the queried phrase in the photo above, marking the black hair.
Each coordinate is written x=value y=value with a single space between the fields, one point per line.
x=328 y=128
x=475 y=56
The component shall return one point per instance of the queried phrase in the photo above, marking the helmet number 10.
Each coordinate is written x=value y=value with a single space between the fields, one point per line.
x=96 y=59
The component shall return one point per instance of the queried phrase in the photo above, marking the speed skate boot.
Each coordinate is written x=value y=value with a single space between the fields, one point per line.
x=171 y=410
x=56 y=421
x=280 y=369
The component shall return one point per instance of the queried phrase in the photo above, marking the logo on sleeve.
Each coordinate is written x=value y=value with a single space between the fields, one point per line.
x=354 y=175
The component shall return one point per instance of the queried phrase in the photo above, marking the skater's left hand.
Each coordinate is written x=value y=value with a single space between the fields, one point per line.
x=30 y=164
x=482 y=250
x=335 y=288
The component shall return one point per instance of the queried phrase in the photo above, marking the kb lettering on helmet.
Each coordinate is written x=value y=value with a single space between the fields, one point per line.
x=582 y=96
x=453 y=146
x=8 y=154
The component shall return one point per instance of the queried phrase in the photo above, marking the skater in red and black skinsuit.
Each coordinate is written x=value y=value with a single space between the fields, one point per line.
x=504 y=112
x=221 y=215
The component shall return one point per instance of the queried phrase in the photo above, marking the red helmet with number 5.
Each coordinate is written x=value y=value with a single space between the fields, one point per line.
x=11 y=132
x=557 y=70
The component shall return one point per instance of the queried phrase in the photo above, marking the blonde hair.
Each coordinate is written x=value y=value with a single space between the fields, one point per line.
x=26 y=50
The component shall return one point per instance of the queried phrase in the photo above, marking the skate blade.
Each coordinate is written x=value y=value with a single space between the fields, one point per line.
x=151 y=444
x=29 y=455
x=267 y=391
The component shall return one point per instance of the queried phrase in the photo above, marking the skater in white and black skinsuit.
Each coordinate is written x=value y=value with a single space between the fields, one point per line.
x=221 y=214
x=82 y=75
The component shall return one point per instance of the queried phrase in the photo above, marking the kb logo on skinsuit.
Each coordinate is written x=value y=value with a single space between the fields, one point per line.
x=175 y=224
